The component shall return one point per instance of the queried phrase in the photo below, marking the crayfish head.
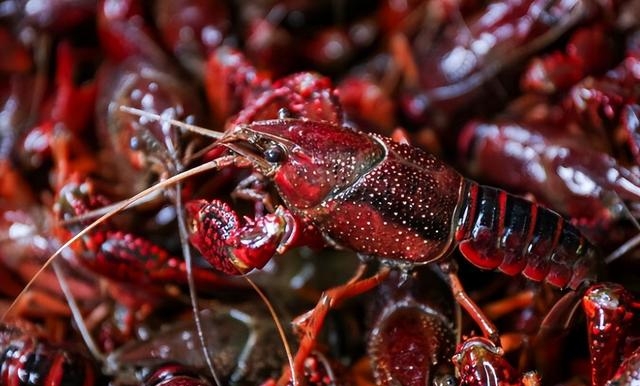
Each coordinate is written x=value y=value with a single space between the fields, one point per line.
x=308 y=161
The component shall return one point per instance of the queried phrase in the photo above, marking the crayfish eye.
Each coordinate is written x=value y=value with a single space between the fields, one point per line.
x=274 y=154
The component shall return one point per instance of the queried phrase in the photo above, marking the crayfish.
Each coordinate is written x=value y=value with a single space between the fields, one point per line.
x=350 y=188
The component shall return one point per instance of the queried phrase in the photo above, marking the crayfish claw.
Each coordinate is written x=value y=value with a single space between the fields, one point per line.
x=234 y=248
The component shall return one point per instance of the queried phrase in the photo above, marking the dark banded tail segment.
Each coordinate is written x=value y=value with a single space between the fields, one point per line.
x=497 y=230
x=31 y=361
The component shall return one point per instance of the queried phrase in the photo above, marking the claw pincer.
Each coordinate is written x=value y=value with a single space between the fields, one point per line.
x=217 y=233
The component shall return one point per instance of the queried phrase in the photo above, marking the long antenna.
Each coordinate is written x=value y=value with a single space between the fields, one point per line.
x=175 y=122
x=279 y=328
x=95 y=213
x=76 y=313
x=629 y=244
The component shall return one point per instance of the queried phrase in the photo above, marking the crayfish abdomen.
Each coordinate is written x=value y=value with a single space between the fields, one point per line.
x=497 y=230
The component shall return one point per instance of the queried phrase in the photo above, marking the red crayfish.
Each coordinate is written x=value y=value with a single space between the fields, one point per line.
x=351 y=188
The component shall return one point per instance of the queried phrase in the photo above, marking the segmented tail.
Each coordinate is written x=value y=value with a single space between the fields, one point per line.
x=497 y=230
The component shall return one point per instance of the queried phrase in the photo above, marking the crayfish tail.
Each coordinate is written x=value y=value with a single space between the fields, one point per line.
x=498 y=230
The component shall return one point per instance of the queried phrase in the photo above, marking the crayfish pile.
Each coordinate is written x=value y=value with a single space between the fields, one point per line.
x=540 y=98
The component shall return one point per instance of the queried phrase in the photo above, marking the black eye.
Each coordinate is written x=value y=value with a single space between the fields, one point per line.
x=274 y=154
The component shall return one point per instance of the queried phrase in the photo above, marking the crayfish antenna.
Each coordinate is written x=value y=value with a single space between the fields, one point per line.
x=629 y=244
x=276 y=320
x=622 y=250
x=43 y=46
x=213 y=164
x=186 y=253
x=95 y=213
x=77 y=315
x=160 y=118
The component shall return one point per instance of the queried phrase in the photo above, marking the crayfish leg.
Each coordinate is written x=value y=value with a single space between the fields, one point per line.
x=487 y=327
x=310 y=323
